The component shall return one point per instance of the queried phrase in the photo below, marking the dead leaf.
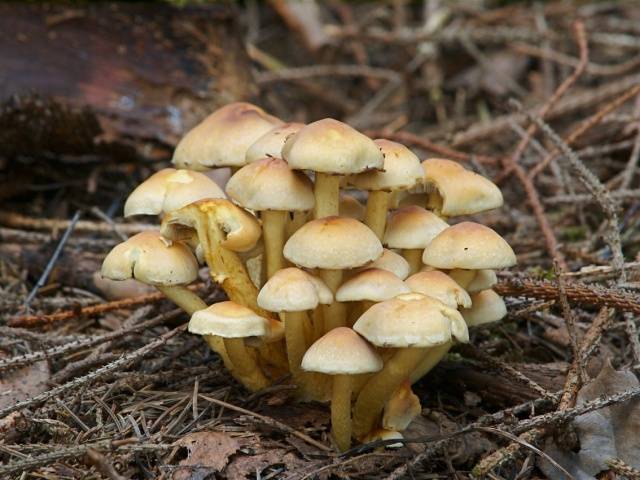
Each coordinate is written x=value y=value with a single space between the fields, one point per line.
x=611 y=432
x=23 y=383
x=208 y=452
x=249 y=466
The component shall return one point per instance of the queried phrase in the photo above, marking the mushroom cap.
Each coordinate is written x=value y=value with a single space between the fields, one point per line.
x=334 y=243
x=411 y=320
x=412 y=227
x=240 y=229
x=269 y=184
x=401 y=408
x=468 y=245
x=391 y=262
x=463 y=192
x=440 y=286
x=372 y=284
x=222 y=139
x=170 y=189
x=351 y=207
x=229 y=320
x=341 y=351
x=293 y=290
x=487 y=307
x=275 y=333
x=270 y=144
x=333 y=147
x=151 y=259
x=402 y=169
x=474 y=281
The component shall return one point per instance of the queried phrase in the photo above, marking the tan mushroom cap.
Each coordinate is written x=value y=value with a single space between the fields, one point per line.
x=170 y=189
x=222 y=139
x=411 y=320
x=333 y=147
x=463 y=192
x=334 y=243
x=269 y=184
x=439 y=285
x=468 y=245
x=241 y=229
x=481 y=280
x=412 y=227
x=391 y=262
x=341 y=352
x=373 y=284
x=487 y=307
x=351 y=207
x=402 y=169
x=229 y=320
x=151 y=259
x=270 y=144
x=293 y=290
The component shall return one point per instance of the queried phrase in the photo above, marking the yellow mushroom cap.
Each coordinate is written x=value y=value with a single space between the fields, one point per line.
x=440 y=286
x=240 y=228
x=351 y=207
x=222 y=139
x=468 y=245
x=269 y=184
x=402 y=169
x=333 y=147
x=463 y=192
x=341 y=351
x=270 y=144
x=229 y=320
x=391 y=262
x=170 y=189
x=411 y=320
x=474 y=281
x=412 y=227
x=293 y=290
x=372 y=284
x=332 y=243
x=487 y=307
x=401 y=409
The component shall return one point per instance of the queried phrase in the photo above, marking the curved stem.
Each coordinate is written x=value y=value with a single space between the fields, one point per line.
x=376 y=215
x=296 y=345
x=341 y=411
x=463 y=277
x=413 y=256
x=431 y=359
x=298 y=220
x=318 y=322
x=381 y=386
x=327 y=192
x=335 y=315
x=273 y=226
x=246 y=368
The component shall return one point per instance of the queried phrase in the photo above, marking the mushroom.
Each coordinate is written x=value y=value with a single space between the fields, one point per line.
x=272 y=188
x=270 y=144
x=487 y=307
x=411 y=229
x=401 y=409
x=402 y=171
x=234 y=323
x=382 y=435
x=439 y=285
x=330 y=148
x=453 y=190
x=412 y=324
x=332 y=244
x=343 y=354
x=168 y=190
x=474 y=281
x=370 y=286
x=392 y=262
x=292 y=292
x=222 y=139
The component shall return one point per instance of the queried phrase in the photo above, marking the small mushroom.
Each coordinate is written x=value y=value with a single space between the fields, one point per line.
x=440 y=286
x=270 y=144
x=391 y=262
x=487 y=307
x=343 y=354
x=474 y=281
x=371 y=286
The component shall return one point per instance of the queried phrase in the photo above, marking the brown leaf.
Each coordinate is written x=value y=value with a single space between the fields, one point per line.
x=247 y=466
x=23 y=383
x=208 y=452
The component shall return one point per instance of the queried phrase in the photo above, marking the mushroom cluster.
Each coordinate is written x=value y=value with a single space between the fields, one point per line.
x=355 y=302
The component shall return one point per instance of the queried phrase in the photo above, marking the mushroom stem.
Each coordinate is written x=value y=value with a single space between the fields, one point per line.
x=464 y=277
x=434 y=202
x=413 y=256
x=296 y=345
x=298 y=220
x=190 y=303
x=327 y=193
x=318 y=323
x=334 y=314
x=376 y=215
x=246 y=368
x=381 y=386
x=273 y=230
x=431 y=359
x=341 y=411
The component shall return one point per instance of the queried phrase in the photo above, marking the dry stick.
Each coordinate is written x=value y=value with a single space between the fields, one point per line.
x=101 y=372
x=620 y=194
x=298 y=73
